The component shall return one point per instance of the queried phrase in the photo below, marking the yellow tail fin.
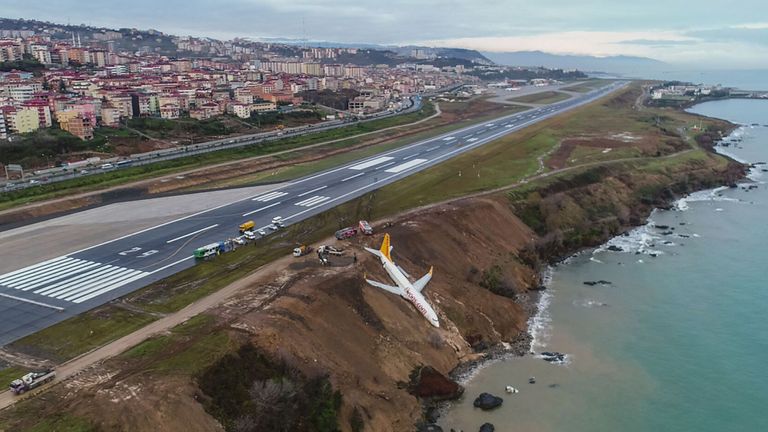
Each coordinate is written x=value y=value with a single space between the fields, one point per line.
x=384 y=249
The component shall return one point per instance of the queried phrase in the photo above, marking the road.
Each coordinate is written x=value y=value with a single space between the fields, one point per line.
x=44 y=293
x=60 y=174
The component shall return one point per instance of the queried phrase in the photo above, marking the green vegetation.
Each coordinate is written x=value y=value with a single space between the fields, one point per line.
x=158 y=169
x=63 y=423
x=248 y=388
x=82 y=333
x=547 y=97
x=46 y=146
x=10 y=373
x=26 y=64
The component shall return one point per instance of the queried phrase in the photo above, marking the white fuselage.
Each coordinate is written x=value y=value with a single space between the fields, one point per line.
x=409 y=292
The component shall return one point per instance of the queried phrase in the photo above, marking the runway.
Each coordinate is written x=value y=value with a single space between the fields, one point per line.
x=44 y=293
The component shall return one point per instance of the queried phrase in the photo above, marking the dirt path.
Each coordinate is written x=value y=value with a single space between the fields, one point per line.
x=83 y=362
x=152 y=180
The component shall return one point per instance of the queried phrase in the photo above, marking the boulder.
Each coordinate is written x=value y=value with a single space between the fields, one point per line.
x=615 y=248
x=487 y=427
x=487 y=401
x=428 y=383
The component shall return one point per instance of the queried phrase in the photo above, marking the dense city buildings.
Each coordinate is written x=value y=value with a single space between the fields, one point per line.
x=87 y=78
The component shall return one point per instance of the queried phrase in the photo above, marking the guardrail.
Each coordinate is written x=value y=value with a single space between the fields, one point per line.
x=60 y=174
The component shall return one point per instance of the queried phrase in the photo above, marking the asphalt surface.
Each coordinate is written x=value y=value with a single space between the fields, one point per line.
x=44 y=293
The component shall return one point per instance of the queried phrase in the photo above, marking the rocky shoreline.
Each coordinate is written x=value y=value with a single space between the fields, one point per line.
x=523 y=345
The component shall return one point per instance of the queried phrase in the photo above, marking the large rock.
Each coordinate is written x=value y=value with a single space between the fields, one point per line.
x=487 y=401
x=487 y=427
x=428 y=383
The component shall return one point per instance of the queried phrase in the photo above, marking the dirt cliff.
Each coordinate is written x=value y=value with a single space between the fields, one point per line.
x=369 y=343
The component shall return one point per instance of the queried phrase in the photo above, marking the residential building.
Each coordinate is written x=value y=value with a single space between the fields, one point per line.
x=110 y=115
x=75 y=123
x=43 y=111
x=169 y=111
x=22 y=120
x=3 y=130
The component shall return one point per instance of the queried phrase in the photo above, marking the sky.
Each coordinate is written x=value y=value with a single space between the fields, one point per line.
x=697 y=33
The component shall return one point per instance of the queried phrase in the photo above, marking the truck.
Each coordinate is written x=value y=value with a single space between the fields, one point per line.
x=32 y=380
x=247 y=226
x=346 y=233
x=302 y=250
x=365 y=227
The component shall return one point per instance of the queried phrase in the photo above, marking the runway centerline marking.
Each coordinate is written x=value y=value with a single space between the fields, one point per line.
x=311 y=191
x=351 y=177
x=260 y=209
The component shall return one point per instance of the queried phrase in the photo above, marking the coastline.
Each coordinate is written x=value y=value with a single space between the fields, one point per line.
x=539 y=320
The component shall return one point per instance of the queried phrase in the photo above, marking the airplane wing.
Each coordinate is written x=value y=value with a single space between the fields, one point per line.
x=385 y=287
x=402 y=270
x=421 y=283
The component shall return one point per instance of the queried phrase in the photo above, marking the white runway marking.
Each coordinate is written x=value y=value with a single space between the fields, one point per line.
x=351 y=177
x=313 y=190
x=68 y=278
x=370 y=163
x=317 y=199
x=192 y=233
x=410 y=156
x=386 y=165
x=405 y=166
x=260 y=209
x=270 y=196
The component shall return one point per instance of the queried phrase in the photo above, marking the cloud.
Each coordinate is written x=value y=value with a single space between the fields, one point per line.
x=659 y=42
x=748 y=34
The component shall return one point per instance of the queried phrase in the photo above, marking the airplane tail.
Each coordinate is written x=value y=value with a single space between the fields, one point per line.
x=384 y=250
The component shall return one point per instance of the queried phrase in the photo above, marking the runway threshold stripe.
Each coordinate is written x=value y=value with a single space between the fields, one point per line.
x=107 y=278
x=15 y=272
x=43 y=272
x=108 y=288
x=260 y=209
x=78 y=285
x=192 y=233
x=91 y=287
x=27 y=272
x=69 y=273
x=69 y=282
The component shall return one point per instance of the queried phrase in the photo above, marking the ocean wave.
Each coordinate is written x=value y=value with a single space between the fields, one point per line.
x=539 y=325
x=638 y=240
x=589 y=303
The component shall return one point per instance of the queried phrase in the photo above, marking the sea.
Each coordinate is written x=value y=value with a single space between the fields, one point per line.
x=676 y=336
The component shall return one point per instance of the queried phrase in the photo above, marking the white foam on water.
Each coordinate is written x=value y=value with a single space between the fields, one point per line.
x=595 y=260
x=540 y=325
x=641 y=239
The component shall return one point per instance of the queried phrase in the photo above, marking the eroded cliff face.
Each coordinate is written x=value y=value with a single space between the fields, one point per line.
x=369 y=342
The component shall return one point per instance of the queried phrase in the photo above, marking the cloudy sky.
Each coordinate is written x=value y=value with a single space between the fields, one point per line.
x=714 y=33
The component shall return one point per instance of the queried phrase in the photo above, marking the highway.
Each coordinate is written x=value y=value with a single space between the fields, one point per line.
x=44 y=293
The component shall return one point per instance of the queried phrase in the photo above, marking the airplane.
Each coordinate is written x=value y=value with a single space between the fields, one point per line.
x=406 y=289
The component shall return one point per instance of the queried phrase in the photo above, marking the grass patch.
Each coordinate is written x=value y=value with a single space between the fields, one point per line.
x=126 y=175
x=10 y=373
x=82 y=333
x=63 y=423
x=546 y=97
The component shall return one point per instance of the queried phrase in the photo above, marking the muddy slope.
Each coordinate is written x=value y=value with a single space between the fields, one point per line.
x=486 y=260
